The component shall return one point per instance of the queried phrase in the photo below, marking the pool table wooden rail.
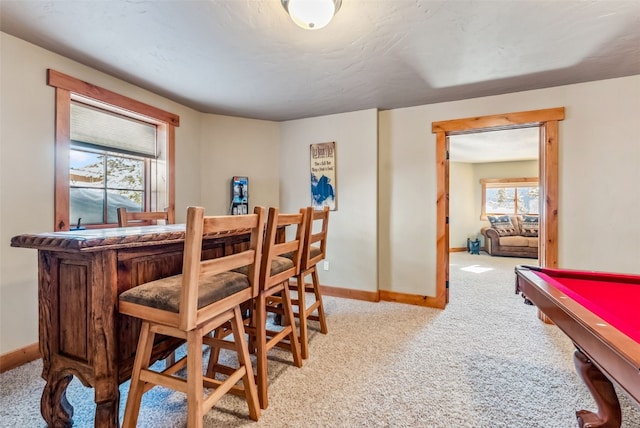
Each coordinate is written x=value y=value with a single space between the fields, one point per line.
x=615 y=354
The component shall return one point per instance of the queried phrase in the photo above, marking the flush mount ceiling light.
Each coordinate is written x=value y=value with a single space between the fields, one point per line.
x=311 y=14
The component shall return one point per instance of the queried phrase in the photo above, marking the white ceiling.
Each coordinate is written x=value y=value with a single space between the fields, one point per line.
x=495 y=146
x=246 y=58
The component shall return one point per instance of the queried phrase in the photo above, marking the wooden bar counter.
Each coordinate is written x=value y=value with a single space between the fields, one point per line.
x=81 y=333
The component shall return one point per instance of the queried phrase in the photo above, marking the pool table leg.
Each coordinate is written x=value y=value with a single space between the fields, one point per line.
x=609 y=414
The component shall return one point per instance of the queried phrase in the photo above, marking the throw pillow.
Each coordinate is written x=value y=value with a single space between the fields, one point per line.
x=529 y=225
x=502 y=224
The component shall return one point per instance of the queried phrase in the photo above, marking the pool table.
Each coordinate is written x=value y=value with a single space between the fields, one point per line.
x=600 y=312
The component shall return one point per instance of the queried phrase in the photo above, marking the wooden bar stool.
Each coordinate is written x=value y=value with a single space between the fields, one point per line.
x=147 y=218
x=144 y=218
x=274 y=296
x=313 y=251
x=189 y=306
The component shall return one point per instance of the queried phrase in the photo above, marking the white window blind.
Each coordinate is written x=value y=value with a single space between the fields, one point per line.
x=99 y=129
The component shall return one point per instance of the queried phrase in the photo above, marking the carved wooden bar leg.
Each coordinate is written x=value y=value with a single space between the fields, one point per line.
x=104 y=327
x=107 y=414
x=55 y=408
x=107 y=400
x=609 y=414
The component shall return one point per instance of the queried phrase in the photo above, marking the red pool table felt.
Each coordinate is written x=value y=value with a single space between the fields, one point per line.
x=613 y=297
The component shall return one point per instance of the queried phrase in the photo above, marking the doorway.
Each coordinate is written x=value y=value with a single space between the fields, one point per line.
x=491 y=173
x=547 y=121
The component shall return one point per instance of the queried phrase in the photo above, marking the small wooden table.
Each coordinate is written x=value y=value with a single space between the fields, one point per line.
x=81 y=333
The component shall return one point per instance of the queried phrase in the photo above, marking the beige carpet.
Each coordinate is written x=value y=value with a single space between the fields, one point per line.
x=485 y=361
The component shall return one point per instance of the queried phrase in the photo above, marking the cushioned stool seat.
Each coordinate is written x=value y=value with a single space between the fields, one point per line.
x=165 y=293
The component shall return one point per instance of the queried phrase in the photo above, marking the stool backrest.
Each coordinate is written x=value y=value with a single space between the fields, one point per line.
x=143 y=218
x=270 y=272
x=315 y=237
x=194 y=269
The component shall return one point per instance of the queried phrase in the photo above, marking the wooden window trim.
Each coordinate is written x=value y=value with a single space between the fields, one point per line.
x=93 y=92
x=68 y=87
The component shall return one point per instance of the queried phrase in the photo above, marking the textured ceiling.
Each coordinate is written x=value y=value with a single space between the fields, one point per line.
x=246 y=58
x=495 y=146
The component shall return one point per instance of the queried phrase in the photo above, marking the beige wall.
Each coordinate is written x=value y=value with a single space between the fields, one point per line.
x=236 y=146
x=463 y=223
x=599 y=154
x=407 y=186
x=386 y=177
x=351 y=246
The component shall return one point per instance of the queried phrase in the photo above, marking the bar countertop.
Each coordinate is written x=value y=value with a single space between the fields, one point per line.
x=109 y=238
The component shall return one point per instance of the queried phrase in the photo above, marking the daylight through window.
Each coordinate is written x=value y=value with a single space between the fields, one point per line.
x=510 y=196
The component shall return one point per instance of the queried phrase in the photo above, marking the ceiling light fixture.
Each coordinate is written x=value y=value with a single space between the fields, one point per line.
x=311 y=14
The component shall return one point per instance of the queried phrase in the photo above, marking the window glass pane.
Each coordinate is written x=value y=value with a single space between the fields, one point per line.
x=87 y=204
x=123 y=184
x=529 y=200
x=131 y=200
x=500 y=200
x=86 y=169
x=125 y=173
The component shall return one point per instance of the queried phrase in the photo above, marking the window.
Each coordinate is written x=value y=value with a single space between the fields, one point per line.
x=109 y=163
x=101 y=182
x=510 y=196
x=111 y=151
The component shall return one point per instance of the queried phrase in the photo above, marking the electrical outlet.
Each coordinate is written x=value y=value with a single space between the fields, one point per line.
x=326 y=265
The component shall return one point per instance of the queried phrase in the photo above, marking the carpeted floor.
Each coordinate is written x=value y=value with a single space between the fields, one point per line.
x=485 y=361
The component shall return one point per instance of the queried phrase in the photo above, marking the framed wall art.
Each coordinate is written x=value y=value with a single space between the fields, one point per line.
x=323 y=176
